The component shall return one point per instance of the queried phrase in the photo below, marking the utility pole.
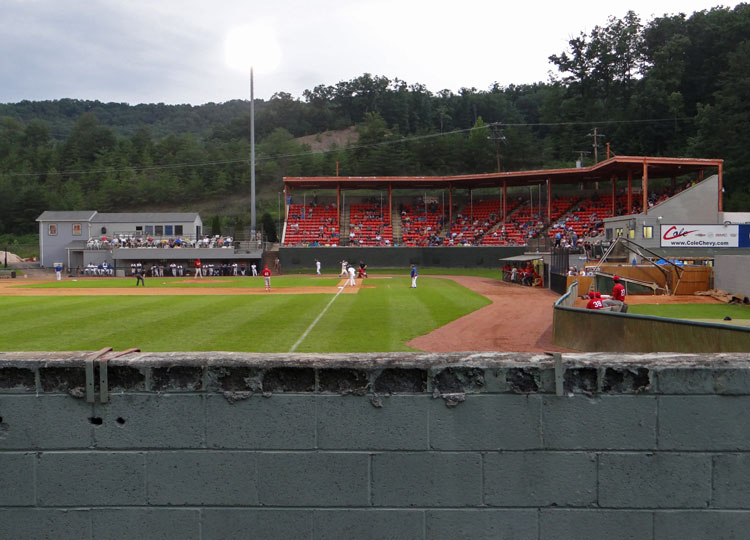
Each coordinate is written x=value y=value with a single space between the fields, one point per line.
x=596 y=137
x=498 y=137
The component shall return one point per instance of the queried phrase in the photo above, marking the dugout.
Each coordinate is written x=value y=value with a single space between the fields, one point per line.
x=538 y=260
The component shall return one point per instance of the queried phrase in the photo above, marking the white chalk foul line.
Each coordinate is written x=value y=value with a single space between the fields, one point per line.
x=309 y=328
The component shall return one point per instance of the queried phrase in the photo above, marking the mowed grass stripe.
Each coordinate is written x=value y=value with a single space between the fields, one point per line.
x=269 y=324
x=120 y=322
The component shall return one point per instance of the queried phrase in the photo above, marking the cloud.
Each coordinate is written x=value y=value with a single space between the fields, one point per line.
x=173 y=51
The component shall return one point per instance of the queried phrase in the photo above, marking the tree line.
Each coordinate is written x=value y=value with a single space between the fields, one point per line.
x=675 y=86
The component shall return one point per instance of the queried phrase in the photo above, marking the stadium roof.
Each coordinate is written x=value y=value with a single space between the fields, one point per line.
x=618 y=166
x=65 y=215
x=146 y=217
x=121 y=217
x=523 y=258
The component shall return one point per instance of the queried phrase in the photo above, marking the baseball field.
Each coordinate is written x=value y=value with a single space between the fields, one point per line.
x=301 y=313
x=451 y=310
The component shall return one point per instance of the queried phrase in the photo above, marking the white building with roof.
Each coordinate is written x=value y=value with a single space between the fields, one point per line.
x=70 y=237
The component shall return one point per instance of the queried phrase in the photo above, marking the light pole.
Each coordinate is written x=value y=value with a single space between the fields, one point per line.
x=252 y=155
x=251 y=47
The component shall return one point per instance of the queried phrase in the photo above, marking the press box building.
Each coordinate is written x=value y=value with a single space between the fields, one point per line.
x=64 y=235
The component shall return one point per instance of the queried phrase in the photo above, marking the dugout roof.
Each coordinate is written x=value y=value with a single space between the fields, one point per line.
x=618 y=167
x=523 y=258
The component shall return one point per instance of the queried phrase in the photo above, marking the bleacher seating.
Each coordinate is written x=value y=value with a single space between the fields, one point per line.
x=369 y=225
x=421 y=226
x=310 y=225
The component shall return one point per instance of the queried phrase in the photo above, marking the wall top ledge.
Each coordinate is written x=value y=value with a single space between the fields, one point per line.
x=379 y=361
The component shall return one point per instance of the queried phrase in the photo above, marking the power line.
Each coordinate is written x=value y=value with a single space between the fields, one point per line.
x=494 y=125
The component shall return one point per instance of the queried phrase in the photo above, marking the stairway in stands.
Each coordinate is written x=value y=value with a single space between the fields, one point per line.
x=396 y=227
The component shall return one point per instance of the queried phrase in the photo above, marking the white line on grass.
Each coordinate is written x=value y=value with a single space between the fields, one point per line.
x=309 y=328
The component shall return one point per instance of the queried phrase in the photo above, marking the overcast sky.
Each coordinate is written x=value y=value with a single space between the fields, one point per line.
x=173 y=51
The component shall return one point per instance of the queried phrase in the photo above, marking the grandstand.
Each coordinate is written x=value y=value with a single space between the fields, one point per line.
x=425 y=221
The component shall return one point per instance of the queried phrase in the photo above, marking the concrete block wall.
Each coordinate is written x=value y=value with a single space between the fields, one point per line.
x=730 y=274
x=221 y=446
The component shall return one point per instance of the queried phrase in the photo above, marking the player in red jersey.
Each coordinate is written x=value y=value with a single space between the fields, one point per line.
x=266 y=273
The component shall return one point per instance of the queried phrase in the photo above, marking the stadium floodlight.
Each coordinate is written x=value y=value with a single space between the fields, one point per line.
x=248 y=48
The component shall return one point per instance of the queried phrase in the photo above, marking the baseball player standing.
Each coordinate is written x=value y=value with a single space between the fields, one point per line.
x=317 y=266
x=414 y=276
x=266 y=273
x=351 y=271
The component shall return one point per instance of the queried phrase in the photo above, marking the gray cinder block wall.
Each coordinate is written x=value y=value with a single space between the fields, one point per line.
x=396 y=446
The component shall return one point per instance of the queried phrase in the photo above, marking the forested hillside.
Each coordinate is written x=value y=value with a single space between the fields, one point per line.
x=675 y=86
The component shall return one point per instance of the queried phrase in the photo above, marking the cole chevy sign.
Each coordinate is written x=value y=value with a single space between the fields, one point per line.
x=705 y=236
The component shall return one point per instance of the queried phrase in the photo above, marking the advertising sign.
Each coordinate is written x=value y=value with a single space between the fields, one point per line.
x=744 y=236
x=710 y=236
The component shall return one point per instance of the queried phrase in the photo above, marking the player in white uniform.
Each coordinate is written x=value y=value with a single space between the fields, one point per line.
x=317 y=266
x=351 y=272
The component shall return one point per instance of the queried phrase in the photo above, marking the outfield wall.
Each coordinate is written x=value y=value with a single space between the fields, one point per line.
x=296 y=258
x=210 y=446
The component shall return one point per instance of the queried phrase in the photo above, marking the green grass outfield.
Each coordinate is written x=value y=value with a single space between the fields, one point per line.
x=378 y=319
x=714 y=312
